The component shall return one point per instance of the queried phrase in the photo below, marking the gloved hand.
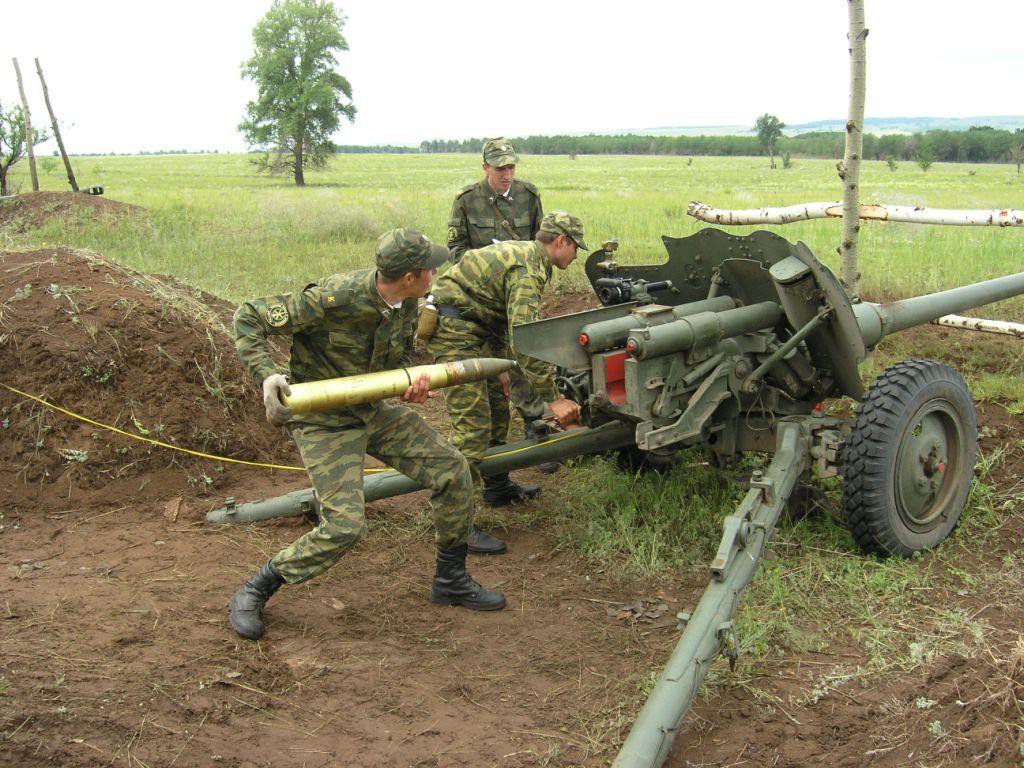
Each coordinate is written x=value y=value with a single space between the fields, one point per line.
x=274 y=387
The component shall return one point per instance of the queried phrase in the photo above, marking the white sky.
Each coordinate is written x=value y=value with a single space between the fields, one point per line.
x=147 y=75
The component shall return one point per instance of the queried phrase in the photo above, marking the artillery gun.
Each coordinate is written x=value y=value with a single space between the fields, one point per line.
x=734 y=343
x=743 y=340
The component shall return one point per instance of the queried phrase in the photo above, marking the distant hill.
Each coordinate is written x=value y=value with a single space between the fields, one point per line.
x=876 y=125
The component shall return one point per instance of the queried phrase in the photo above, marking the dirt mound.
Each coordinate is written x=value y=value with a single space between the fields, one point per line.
x=34 y=209
x=145 y=354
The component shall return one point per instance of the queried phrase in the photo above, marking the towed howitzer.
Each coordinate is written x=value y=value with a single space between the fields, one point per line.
x=737 y=354
x=735 y=343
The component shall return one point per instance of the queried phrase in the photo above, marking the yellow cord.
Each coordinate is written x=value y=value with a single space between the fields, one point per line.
x=147 y=439
x=567 y=436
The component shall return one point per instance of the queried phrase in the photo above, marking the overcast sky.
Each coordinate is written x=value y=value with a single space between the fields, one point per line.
x=129 y=76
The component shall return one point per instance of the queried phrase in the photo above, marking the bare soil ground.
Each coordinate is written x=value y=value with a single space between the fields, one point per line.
x=114 y=644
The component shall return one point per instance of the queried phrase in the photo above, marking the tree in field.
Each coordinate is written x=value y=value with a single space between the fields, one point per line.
x=1017 y=148
x=768 y=129
x=13 y=146
x=302 y=97
x=925 y=156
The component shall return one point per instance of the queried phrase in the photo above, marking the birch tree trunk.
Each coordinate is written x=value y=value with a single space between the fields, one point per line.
x=56 y=130
x=1001 y=217
x=28 y=130
x=849 y=272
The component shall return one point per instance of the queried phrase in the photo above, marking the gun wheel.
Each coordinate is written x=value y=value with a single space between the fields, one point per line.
x=633 y=460
x=907 y=466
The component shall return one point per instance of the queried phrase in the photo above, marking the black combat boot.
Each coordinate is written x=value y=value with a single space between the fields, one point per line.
x=482 y=543
x=501 y=490
x=453 y=586
x=246 y=608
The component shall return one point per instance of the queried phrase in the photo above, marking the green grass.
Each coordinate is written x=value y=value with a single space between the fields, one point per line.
x=213 y=222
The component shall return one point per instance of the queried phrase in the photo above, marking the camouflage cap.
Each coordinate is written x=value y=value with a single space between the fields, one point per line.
x=562 y=223
x=406 y=249
x=499 y=152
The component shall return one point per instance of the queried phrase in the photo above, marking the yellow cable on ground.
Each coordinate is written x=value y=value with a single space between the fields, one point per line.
x=201 y=455
x=567 y=436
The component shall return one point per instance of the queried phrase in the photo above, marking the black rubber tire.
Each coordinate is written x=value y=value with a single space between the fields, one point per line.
x=890 y=505
x=634 y=460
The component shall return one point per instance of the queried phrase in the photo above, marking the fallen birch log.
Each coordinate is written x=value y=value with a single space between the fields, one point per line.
x=1005 y=217
x=978 y=324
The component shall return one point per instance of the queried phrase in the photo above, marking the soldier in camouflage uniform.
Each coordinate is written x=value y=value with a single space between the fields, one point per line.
x=500 y=207
x=478 y=301
x=343 y=325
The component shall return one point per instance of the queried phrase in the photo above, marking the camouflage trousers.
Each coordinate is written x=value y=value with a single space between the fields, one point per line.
x=333 y=457
x=479 y=410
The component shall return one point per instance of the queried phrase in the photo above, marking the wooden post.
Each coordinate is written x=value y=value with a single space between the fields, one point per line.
x=56 y=130
x=849 y=170
x=28 y=129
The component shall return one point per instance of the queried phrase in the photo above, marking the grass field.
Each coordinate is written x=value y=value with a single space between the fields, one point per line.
x=218 y=225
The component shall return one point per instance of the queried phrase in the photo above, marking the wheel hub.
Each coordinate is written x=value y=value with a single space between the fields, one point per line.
x=933 y=435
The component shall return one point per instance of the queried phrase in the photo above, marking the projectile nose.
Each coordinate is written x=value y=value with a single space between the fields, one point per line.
x=493 y=366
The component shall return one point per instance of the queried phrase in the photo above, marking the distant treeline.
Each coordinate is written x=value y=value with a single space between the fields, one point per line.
x=144 y=152
x=979 y=144
x=377 y=149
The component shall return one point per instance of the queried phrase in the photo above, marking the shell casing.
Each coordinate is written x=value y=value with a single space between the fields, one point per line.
x=327 y=394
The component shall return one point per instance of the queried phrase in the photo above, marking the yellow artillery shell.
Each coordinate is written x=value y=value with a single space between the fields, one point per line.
x=325 y=395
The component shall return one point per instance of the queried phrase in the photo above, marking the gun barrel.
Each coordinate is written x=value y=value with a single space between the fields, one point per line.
x=313 y=396
x=877 y=321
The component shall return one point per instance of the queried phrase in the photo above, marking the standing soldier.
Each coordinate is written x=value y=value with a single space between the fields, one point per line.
x=344 y=325
x=500 y=207
x=496 y=208
x=479 y=300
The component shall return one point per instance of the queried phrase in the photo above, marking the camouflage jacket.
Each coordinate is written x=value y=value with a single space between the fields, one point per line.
x=340 y=326
x=475 y=222
x=496 y=288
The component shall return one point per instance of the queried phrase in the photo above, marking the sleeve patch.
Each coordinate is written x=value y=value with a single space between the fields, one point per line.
x=277 y=315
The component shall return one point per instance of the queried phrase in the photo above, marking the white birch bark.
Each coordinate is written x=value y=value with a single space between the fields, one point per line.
x=849 y=269
x=979 y=324
x=1004 y=217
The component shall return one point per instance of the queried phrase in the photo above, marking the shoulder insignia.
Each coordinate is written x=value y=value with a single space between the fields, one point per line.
x=453 y=233
x=467 y=188
x=335 y=299
x=277 y=315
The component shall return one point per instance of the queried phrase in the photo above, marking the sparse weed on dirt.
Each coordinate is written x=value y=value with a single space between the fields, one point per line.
x=645 y=523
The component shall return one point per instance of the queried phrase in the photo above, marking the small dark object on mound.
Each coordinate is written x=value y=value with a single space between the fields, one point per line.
x=30 y=211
